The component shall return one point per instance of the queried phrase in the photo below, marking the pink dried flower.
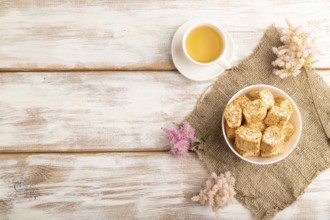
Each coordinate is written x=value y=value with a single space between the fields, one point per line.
x=189 y=132
x=218 y=191
x=180 y=148
x=298 y=51
x=181 y=138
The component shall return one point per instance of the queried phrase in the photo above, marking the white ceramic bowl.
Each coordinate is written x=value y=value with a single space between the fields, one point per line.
x=295 y=120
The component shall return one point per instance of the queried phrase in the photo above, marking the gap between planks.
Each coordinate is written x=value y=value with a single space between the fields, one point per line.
x=140 y=69
x=48 y=70
x=128 y=151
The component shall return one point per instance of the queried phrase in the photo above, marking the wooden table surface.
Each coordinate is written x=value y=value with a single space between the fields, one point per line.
x=85 y=87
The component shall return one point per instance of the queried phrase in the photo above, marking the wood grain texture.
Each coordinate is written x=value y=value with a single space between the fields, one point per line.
x=123 y=186
x=102 y=111
x=136 y=35
x=118 y=111
x=97 y=111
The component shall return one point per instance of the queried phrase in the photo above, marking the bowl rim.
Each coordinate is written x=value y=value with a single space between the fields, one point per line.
x=244 y=91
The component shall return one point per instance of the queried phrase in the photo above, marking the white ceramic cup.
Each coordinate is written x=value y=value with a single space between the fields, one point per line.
x=221 y=60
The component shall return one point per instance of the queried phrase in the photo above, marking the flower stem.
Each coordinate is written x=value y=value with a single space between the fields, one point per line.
x=313 y=101
x=199 y=144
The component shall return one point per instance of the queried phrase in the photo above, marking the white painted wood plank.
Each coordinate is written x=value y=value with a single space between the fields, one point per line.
x=57 y=35
x=93 y=111
x=125 y=186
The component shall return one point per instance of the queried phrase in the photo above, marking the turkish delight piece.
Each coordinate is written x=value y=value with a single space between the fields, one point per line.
x=233 y=115
x=230 y=132
x=272 y=143
x=287 y=128
x=259 y=125
x=242 y=100
x=254 y=111
x=265 y=95
x=247 y=141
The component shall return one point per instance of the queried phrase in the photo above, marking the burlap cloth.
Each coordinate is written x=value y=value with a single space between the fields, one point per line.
x=274 y=186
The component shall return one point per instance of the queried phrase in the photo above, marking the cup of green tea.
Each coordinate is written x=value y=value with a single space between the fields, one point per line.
x=205 y=43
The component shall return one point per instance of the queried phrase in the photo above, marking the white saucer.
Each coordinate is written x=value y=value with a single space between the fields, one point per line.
x=191 y=70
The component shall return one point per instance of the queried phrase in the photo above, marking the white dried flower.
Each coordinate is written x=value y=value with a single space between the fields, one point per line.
x=218 y=191
x=298 y=51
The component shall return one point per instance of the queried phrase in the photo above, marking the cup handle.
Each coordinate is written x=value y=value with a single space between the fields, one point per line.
x=224 y=63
